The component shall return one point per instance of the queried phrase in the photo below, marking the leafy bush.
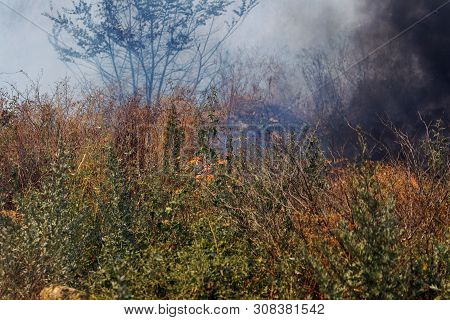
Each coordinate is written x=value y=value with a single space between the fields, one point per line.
x=55 y=240
x=363 y=261
x=367 y=257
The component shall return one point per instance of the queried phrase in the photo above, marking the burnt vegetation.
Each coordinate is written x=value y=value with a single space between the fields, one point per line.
x=269 y=180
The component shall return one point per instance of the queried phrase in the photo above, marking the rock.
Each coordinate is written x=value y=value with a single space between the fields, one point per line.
x=56 y=292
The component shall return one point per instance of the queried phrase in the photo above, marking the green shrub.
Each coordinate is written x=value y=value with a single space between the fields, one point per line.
x=428 y=272
x=55 y=243
x=364 y=262
x=368 y=258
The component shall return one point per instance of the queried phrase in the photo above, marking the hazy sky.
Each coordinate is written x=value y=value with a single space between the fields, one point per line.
x=23 y=46
x=275 y=24
x=295 y=24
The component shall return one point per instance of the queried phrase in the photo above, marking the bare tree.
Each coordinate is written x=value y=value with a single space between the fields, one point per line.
x=148 y=45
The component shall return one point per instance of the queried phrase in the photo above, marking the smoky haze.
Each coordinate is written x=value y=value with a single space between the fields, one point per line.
x=273 y=25
x=23 y=46
x=277 y=26
x=409 y=76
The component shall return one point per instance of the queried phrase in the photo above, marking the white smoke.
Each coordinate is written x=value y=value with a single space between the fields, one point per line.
x=24 y=44
x=289 y=25
x=273 y=26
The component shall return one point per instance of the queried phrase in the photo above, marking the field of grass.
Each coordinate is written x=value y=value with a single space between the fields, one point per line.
x=130 y=202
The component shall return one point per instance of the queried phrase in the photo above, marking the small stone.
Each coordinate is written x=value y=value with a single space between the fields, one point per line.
x=56 y=292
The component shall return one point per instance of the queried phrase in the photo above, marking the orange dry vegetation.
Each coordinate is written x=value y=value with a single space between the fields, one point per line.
x=14 y=216
x=421 y=204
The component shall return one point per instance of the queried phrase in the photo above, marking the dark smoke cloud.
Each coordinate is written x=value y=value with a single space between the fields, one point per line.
x=412 y=74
